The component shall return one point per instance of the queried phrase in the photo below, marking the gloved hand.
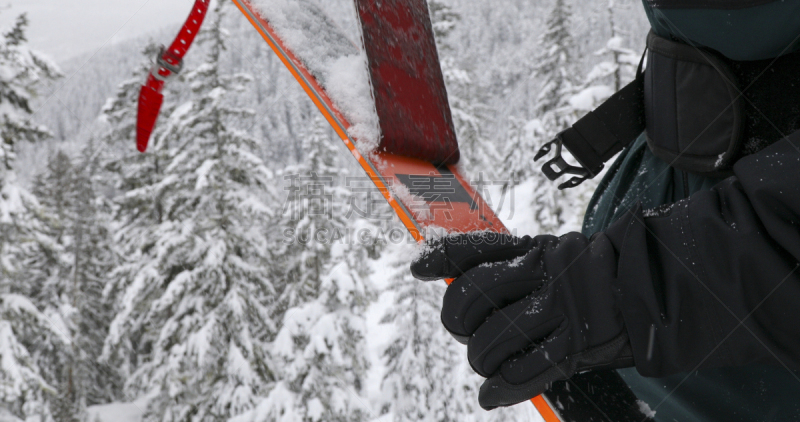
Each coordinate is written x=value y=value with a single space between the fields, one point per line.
x=531 y=310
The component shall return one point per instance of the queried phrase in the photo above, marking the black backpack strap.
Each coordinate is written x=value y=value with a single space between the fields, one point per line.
x=598 y=136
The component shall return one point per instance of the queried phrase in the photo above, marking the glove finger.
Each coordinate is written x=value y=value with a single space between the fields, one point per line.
x=533 y=363
x=514 y=330
x=532 y=373
x=475 y=295
x=527 y=375
x=451 y=256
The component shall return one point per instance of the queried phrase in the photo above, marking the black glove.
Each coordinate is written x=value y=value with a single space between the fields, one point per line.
x=532 y=310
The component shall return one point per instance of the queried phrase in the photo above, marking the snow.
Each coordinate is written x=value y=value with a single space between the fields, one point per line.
x=615 y=43
x=6 y=416
x=378 y=337
x=202 y=174
x=645 y=409
x=276 y=407
x=14 y=198
x=601 y=70
x=338 y=64
x=720 y=160
x=119 y=411
x=588 y=99
x=416 y=204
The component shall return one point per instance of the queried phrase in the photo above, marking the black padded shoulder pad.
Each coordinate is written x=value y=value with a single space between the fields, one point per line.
x=693 y=107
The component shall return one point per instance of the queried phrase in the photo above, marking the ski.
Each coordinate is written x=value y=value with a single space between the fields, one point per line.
x=405 y=142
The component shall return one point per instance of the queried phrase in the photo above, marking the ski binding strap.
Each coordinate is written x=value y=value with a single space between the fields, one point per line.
x=168 y=64
x=173 y=68
x=599 y=136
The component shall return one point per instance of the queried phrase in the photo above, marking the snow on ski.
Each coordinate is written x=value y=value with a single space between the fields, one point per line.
x=413 y=163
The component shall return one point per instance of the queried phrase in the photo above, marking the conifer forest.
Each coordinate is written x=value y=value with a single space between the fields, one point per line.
x=243 y=269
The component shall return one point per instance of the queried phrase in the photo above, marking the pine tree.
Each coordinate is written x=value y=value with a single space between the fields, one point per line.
x=24 y=392
x=134 y=179
x=420 y=359
x=126 y=170
x=44 y=262
x=92 y=256
x=45 y=267
x=555 y=67
x=323 y=296
x=65 y=264
x=608 y=76
x=198 y=312
x=470 y=114
x=427 y=376
x=24 y=330
x=522 y=143
x=23 y=70
x=313 y=205
x=623 y=61
x=556 y=70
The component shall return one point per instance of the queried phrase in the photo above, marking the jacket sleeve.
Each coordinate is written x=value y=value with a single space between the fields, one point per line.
x=713 y=280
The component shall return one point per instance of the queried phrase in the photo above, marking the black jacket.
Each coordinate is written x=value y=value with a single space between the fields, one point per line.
x=713 y=280
x=736 y=236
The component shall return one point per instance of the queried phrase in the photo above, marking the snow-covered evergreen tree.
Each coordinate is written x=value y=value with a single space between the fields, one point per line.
x=524 y=141
x=556 y=71
x=555 y=67
x=418 y=383
x=134 y=180
x=23 y=390
x=427 y=376
x=25 y=331
x=65 y=263
x=608 y=76
x=93 y=260
x=22 y=71
x=125 y=168
x=470 y=114
x=45 y=275
x=323 y=296
x=198 y=312
x=623 y=61
x=44 y=264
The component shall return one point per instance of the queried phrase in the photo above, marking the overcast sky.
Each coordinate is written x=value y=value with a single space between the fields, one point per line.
x=65 y=28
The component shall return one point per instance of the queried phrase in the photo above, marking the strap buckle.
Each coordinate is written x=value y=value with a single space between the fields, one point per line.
x=557 y=166
x=162 y=63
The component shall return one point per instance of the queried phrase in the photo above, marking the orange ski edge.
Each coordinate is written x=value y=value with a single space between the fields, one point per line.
x=545 y=409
